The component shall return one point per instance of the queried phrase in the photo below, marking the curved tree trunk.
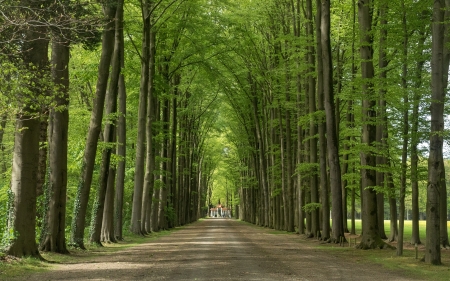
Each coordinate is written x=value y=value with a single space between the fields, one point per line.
x=95 y=124
x=109 y=135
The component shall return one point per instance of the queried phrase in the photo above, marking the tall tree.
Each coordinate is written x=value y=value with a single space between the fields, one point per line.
x=322 y=123
x=381 y=135
x=315 y=228
x=107 y=222
x=54 y=238
x=332 y=140
x=109 y=134
x=371 y=238
x=122 y=142
x=95 y=124
x=136 y=213
x=34 y=50
x=433 y=248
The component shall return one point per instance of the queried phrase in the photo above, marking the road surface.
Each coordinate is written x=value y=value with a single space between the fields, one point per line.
x=221 y=249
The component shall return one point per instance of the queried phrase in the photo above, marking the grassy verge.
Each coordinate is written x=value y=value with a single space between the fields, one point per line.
x=407 y=263
x=11 y=267
x=388 y=258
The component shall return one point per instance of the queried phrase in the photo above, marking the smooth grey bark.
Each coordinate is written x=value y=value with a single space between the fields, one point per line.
x=283 y=165
x=415 y=238
x=149 y=179
x=370 y=236
x=443 y=233
x=311 y=92
x=261 y=154
x=173 y=202
x=95 y=124
x=107 y=227
x=289 y=168
x=107 y=231
x=332 y=140
x=432 y=244
x=322 y=123
x=121 y=145
x=109 y=138
x=443 y=195
x=54 y=239
x=393 y=236
x=136 y=213
x=405 y=131
x=381 y=127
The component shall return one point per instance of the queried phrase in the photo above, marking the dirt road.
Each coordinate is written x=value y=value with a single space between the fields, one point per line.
x=221 y=249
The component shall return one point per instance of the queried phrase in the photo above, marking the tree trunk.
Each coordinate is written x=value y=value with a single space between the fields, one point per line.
x=2 y=146
x=26 y=144
x=315 y=228
x=261 y=155
x=415 y=238
x=107 y=227
x=109 y=135
x=405 y=132
x=122 y=141
x=149 y=180
x=393 y=236
x=381 y=135
x=443 y=207
x=87 y=166
x=54 y=239
x=370 y=236
x=136 y=214
x=332 y=141
x=433 y=249
x=300 y=191
x=322 y=123
x=443 y=189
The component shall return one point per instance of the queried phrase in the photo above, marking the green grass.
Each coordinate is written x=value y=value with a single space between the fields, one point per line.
x=407 y=262
x=407 y=232
x=388 y=258
x=26 y=266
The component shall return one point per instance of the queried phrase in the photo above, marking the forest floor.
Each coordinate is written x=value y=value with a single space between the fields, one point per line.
x=226 y=249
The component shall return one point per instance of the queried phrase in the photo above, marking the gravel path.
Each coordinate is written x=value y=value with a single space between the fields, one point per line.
x=220 y=249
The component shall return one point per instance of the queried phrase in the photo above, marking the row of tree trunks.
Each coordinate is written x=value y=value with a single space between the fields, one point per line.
x=95 y=125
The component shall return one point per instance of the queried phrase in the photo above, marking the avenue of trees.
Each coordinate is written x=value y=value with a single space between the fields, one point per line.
x=138 y=116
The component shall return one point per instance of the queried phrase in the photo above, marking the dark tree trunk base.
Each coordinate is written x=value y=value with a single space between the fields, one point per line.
x=371 y=244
